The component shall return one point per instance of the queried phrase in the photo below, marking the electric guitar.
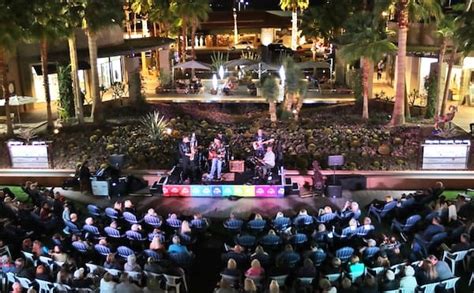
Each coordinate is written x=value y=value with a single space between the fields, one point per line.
x=257 y=144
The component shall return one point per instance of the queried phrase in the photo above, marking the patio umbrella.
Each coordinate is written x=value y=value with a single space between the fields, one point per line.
x=18 y=101
x=193 y=65
x=313 y=64
x=239 y=62
x=261 y=67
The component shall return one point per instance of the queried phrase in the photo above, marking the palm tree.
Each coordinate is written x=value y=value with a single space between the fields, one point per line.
x=295 y=87
x=14 y=18
x=414 y=10
x=49 y=25
x=162 y=14
x=366 y=40
x=142 y=7
x=463 y=41
x=75 y=14
x=294 y=6
x=98 y=14
x=270 y=92
x=446 y=30
x=192 y=13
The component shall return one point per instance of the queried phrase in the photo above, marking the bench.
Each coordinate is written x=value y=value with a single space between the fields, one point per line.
x=4 y=117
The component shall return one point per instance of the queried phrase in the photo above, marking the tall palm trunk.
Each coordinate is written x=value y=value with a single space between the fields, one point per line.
x=299 y=105
x=44 y=68
x=6 y=93
x=294 y=29
x=398 y=116
x=442 y=53
x=193 y=40
x=143 y=54
x=184 y=32
x=365 y=88
x=448 y=80
x=78 y=102
x=96 y=113
x=272 y=111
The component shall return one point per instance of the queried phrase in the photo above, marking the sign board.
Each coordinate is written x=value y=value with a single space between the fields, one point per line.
x=100 y=187
x=29 y=156
x=335 y=160
x=446 y=156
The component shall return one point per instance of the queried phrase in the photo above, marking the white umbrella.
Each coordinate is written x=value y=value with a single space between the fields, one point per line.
x=261 y=67
x=192 y=65
x=239 y=62
x=18 y=101
x=313 y=64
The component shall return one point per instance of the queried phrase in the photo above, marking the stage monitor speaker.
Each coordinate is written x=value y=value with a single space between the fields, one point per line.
x=157 y=187
x=117 y=161
x=288 y=186
x=118 y=187
x=334 y=191
x=335 y=161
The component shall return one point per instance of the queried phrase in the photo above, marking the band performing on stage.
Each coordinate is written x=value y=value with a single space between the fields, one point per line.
x=201 y=164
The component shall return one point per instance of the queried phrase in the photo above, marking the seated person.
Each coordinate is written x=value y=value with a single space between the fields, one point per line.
x=231 y=269
x=255 y=269
x=177 y=247
x=308 y=270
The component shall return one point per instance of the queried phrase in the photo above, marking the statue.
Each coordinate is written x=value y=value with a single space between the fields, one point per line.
x=443 y=123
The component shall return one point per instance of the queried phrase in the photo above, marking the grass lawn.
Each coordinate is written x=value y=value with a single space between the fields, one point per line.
x=452 y=194
x=19 y=193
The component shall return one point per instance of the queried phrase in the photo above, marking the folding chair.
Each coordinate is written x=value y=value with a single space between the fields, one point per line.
x=454 y=258
x=451 y=283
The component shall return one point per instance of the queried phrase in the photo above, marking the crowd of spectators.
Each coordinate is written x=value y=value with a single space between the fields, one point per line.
x=47 y=243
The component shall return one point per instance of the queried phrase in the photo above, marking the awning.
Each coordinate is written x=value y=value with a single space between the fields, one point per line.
x=52 y=67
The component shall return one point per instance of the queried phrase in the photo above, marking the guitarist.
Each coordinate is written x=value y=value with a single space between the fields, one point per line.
x=259 y=142
x=186 y=155
x=216 y=155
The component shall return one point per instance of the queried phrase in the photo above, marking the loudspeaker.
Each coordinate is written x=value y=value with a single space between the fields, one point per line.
x=157 y=187
x=288 y=186
x=334 y=191
x=118 y=187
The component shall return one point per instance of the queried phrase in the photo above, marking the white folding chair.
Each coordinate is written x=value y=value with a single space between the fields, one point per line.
x=95 y=269
x=44 y=286
x=5 y=251
x=62 y=287
x=306 y=281
x=333 y=277
x=281 y=280
x=354 y=277
x=113 y=272
x=429 y=288
x=24 y=282
x=136 y=276
x=471 y=279
x=450 y=283
x=29 y=257
x=454 y=258
x=233 y=280
x=392 y=291
x=173 y=282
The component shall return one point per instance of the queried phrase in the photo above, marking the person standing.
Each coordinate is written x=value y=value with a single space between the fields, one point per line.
x=216 y=154
x=85 y=177
x=185 y=155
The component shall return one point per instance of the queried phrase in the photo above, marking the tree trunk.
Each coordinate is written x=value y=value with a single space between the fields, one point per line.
x=193 y=41
x=398 y=116
x=96 y=113
x=272 y=110
x=448 y=81
x=294 y=29
x=184 y=33
x=299 y=105
x=442 y=53
x=6 y=92
x=78 y=102
x=407 y=104
x=365 y=88
x=287 y=102
x=44 y=68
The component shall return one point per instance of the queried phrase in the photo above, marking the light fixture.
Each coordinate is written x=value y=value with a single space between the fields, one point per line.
x=214 y=82
x=221 y=72
x=169 y=131
x=282 y=75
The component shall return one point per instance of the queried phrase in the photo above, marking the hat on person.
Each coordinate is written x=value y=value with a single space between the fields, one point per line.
x=409 y=271
x=390 y=275
x=332 y=290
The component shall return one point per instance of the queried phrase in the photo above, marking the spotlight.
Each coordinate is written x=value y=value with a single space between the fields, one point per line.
x=56 y=131
x=169 y=131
